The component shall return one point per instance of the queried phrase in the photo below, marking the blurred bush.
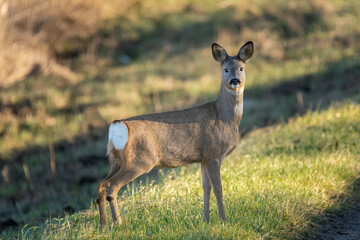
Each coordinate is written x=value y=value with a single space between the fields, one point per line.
x=34 y=32
x=38 y=36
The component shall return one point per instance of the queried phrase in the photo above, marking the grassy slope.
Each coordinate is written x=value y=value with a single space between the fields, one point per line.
x=306 y=48
x=273 y=183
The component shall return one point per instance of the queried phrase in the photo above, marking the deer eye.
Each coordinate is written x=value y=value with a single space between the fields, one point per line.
x=242 y=69
x=225 y=70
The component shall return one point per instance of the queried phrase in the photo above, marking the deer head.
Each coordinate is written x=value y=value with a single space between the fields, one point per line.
x=233 y=68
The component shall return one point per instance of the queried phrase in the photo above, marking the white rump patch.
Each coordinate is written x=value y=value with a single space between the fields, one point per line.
x=119 y=135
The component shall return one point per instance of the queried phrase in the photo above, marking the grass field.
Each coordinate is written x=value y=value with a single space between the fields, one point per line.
x=277 y=180
x=299 y=152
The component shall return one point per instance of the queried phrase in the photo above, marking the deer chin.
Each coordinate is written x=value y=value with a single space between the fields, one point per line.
x=235 y=89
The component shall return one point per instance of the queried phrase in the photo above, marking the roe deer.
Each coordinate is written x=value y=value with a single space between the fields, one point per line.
x=204 y=134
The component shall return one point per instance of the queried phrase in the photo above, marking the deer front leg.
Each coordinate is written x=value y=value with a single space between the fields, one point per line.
x=213 y=170
x=207 y=190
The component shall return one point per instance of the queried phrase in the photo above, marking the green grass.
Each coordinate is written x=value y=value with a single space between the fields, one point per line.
x=306 y=59
x=275 y=181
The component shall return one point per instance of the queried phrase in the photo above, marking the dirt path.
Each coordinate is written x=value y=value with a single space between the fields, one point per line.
x=341 y=226
x=351 y=228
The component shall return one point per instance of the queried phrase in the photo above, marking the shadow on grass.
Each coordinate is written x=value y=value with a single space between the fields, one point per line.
x=81 y=163
x=264 y=106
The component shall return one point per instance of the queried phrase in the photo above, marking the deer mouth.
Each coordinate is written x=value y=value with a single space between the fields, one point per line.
x=235 y=83
x=235 y=86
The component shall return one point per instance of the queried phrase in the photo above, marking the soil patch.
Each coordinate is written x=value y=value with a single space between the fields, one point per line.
x=340 y=226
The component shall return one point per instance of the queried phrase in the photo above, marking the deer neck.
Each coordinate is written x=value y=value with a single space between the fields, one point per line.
x=230 y=105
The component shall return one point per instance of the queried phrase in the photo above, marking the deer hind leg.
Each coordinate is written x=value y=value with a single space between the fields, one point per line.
x=101 y=201
x=207 y=190
x=113 y=185
x=213 y=170
x=118 y=137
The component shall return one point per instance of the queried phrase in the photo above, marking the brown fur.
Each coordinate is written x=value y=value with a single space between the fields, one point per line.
x=204 y=134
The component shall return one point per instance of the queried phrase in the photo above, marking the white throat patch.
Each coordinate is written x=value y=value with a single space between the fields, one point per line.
x=238 y=110
x=119 y=135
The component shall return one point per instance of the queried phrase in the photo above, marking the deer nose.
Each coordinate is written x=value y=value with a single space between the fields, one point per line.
x=235 y=81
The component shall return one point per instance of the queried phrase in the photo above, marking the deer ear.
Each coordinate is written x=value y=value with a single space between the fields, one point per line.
x=246 y=51
x=219 y=53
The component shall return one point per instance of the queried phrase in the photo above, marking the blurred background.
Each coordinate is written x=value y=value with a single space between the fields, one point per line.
x=69 y=68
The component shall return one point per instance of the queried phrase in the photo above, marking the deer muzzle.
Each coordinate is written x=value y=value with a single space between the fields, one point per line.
x=235 y=83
